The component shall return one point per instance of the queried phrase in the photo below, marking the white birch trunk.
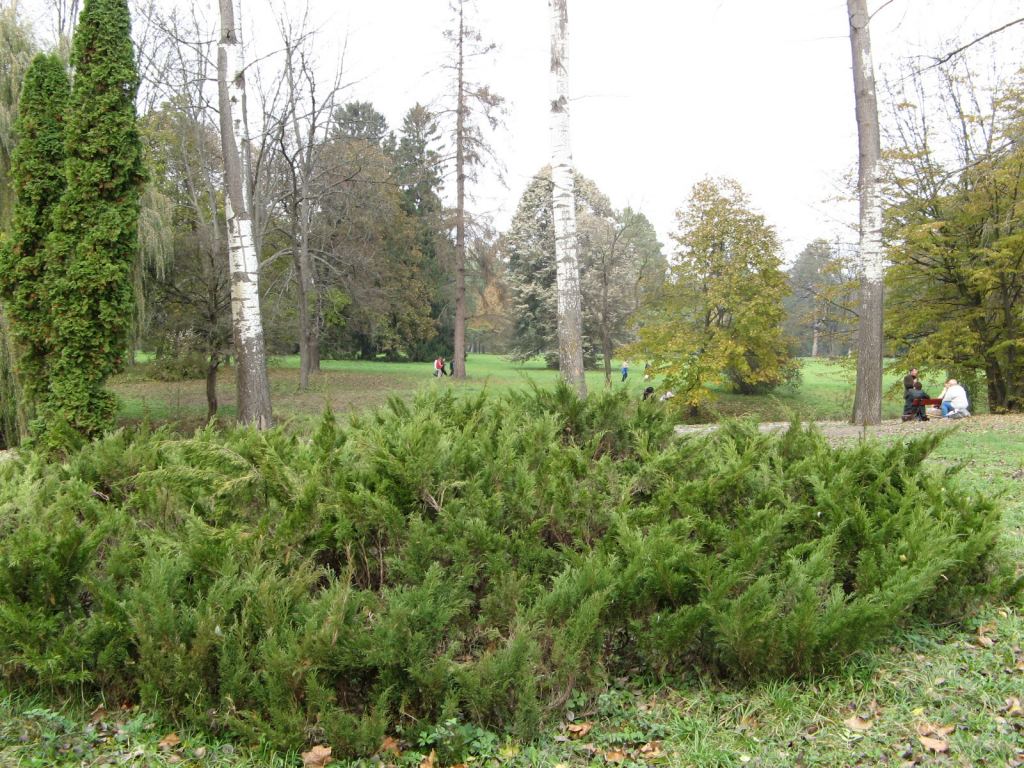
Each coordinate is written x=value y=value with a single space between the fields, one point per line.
x=867 y=404
x=570 y=314
x=252 y=382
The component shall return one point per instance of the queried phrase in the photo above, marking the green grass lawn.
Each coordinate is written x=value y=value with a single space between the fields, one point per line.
x=825 y=392
x=948 y=696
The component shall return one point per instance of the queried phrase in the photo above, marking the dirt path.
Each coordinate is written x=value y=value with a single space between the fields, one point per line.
x=838 y=431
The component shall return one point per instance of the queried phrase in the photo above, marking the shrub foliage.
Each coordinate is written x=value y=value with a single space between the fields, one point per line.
x=37 y=169
x=476 y=558
x=91 y=249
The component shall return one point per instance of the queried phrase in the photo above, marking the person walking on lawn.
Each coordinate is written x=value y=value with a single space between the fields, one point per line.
x=625 y=369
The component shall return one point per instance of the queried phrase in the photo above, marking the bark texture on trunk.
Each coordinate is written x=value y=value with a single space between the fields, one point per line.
x=251 y=369
x=459 y=342
x=867 y=407
x=570 y=314
x=212 y=365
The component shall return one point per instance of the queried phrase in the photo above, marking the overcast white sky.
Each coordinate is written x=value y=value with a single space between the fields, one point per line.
x=664 y=91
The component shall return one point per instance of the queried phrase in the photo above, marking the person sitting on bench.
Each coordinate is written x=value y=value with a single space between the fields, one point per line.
x=913 y=405
x=954 y=401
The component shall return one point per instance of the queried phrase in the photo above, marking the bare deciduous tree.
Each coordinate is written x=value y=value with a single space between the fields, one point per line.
x=301 y=128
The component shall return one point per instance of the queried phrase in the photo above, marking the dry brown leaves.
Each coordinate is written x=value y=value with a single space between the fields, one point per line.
x=933 y=737
x=858 y=723
x=579 y=730
x=170 y=741
x=317 y=757
x=983 y=640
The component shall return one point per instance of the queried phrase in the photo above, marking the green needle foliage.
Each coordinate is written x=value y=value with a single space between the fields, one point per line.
x=92 y=248
x=38 y=174
x=482 y=559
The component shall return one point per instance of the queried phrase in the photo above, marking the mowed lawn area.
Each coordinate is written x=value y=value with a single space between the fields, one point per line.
x=346 y=386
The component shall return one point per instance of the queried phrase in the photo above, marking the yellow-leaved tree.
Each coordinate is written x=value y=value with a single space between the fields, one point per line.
x=718 y=319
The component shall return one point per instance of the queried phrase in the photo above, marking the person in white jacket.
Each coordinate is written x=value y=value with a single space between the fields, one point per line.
x=954 y=400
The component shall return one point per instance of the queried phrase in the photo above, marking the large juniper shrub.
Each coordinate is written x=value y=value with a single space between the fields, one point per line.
x=477 y=558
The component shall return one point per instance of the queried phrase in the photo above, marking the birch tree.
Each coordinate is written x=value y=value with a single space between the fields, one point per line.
x=253 y=385
x=867 y=405
x=570 y=315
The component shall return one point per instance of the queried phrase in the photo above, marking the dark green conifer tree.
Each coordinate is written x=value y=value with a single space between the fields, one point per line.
x=93 y=245
x=37 y=172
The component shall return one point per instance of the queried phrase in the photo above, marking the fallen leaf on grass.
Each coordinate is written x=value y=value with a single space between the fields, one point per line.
x=98 y=714
x=428 y=761
x=931 y=729
x=1013 y=707
x=579 y=730
x=651 y=750
x=748 y=723
x=933 y=737
x=170 y=741
x=983 y=638
x=317 y=757
x=858 y=723
x=615 y=756
x=390 y=744
x=934 y=745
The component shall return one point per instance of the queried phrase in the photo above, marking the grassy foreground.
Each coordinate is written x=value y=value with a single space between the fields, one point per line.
x=947 y=696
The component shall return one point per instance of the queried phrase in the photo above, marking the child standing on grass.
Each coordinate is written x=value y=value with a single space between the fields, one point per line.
x=625 y=369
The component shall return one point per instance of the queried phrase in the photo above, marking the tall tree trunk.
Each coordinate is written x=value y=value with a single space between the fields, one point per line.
x=867 y=406
x=814 y=341
x=570 y=315
x=251 y=369
x=309 y=326
x=459 y=354
x=606 y=340
x=308 y=287
x=213 y=363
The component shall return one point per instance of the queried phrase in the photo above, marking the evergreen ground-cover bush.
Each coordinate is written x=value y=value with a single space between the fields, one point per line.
x=474 y=558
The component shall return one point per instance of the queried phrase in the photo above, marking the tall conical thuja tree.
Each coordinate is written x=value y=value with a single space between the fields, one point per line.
x=92 y=248
x=37 y=173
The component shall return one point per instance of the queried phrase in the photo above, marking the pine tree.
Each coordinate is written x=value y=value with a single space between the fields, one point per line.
x=92 y=248
x=37 y=170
